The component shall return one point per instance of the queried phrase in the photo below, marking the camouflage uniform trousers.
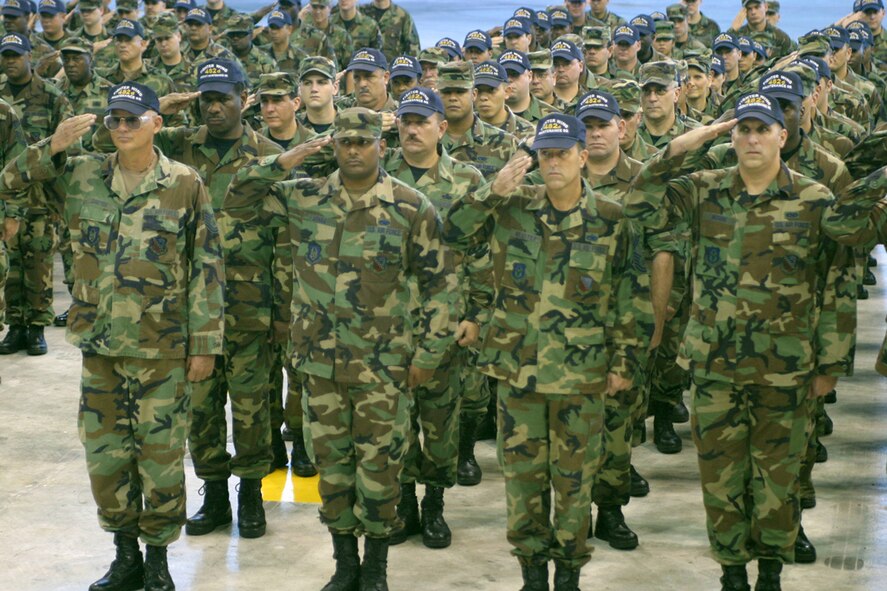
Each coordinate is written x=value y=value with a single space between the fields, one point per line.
x=291 y=414
x=549 y=442
x=243 y=376
x=355 y=435
x=29 y=284
x=67 y=253
x=815 y=430
x=612 y=483
x=435 y=411
x=133 y=424
x=476 y=390
x=750 y=441
x=4 y=270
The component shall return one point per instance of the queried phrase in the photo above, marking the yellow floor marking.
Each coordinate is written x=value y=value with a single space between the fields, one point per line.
x=283 y=487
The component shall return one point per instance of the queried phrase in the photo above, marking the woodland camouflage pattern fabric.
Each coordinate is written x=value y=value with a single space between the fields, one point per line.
x=399 y=34
x=12 y=142
x=152 y=257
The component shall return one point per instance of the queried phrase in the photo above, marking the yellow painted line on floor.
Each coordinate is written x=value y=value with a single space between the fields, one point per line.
x=283 y=487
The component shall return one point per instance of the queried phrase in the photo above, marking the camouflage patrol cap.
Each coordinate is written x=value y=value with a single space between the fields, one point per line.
x=75 y=45
x=88 y=5
x=664 y=30
x=319 y=65
x=127 y=4
x=662 y=73
x=699 y=59
x=595 y=36
x=456 y=75
x=166 y=25
x=676 y=12
x=808 y=74
x=239 y=23
x=628 y=94
x=540 y=60
x=772 y=7
x=320 y=2
x=358 y=122
x=433 y=55
x=814 y=43
x=277 y=84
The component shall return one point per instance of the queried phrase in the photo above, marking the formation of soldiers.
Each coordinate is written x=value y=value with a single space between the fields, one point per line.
x=546 y=231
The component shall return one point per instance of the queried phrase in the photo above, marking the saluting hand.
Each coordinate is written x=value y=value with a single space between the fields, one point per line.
x=296 y=156
x=250 y=101
x=69 y=131
x=696 y=138
x=176 y=101
x=388 y=120
x=512 y=174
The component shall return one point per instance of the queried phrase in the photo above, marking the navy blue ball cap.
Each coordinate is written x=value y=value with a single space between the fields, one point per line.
x=405 y=65
x=717 y=65
x=559 y=131
x=727 y=40
x=819 y=65
x=516 y=26
x=129 y=28
x=16 y=8
x=219 y=75
x=566 y=49
x=280 y=18
x=15 y=42
x=368 y=60
x=490 y=73
x=838 y=37
x=782 y=85
x=451 y=46
x=514 y=61
x=52 y=7
x=598 y=104
x=199 y=15
x=543 y=20
x=756 y=105
x=420 y=101
x=871 y=5
x=132 y=97
x=644 y=24
x=478 y=39
x=626 y=33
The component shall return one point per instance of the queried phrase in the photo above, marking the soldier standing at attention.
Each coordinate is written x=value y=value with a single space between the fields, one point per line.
x=40 y=107
x=399 y=34
x=561 y=338
x=762 y=335
x=432 y=460
x=359 y=238
x=255 y=61
x=147 y=317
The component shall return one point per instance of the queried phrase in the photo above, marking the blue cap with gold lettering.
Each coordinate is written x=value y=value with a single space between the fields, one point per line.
x=559 y=131
x=132 y=97
x=756 y=105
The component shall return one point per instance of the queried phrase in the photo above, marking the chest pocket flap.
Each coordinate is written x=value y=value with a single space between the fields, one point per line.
x=160 y=232
x=521 y=258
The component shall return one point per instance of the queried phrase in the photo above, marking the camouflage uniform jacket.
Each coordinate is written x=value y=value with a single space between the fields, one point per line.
x=849 y=101
x=313 y=41
x=40 y=52
x=155 y=78
x=680 y=126
x=92 y=98
x=564 y=314
x=342 y=43
x=518 y=126
x=486 y=147
x=842 y=124
x=610 y=20
x=363 y=30
x=763 y=309
x=13 y=143
x=352 y=259
x=222 y=18
x=257 y=62
x=776 y=39
x=210 y=51
x=832 y=141
x=879 y=52
x=536 y=111
x=41 y=106
x=287 y=62
x=399 y=34
x=444 y=185
x=640 y=150
x=705 y=30
x=183 y=74
x=147 y=266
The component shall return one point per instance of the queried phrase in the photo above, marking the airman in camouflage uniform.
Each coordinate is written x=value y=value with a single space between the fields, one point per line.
x=684 y=41
x=12 y=142
x=40 y=107
x=701 y=27
x=94 y=31
x=288 y=56
x=364 y=31
x=341 y=41
x=354 y=253
x=399 y=34
x=167 y=49
x=199 y=25
x=85 y=90
x=563 y=335
x=129 y=45
x=255 y=62
x=600 y=14
x=432 y=460
x=777 y=40
x=147 y=316
x=628 y=95
x=490 y=88
x=763 y=334
x=468 y=139
x=53 y=32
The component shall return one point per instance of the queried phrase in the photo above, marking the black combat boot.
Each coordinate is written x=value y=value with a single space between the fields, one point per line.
x=347 y=575
x=435 y=531
x=468 y=473
x=300 y=462
x=735 y=578
x=872 y=262
x=805 y=551
x=535 y=576
x=15 y=340
x=127 y=572
x=861 y=293
x=36 y=342
x=374 y=570
x=278 y=450
x=828 y=425
x=250 y=512
x=868 y=278
x=664 y=436
x=679 y=412
x=215 y=512
x=831 y=397
x=611 y=528
x=566 y=577
x=408 y=511
x=157 y=577
x=61 y=320
x=639 y=486
x=821 y=452
x=768 y=575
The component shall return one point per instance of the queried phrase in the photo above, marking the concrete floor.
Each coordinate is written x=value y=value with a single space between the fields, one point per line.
x=50 y=539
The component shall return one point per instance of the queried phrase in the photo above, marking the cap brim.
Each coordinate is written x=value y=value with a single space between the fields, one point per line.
x=355 y=133
x=316 y=71
x=216 y=86
x=421 y=110
x=517 y=68
x=404 y=74
x=452 y=85
x=557 y=143
x=718 y=46
x=127 y=33
x=625 y=38
x=786 y=96
x=564 y=55
x=659 y=81
x=128 y=106
x=760 y=116
x=15 y=49
x=12 y=12
x=273 y=92
x=363 y=67
x=74 y=50
x=199 y=21
x=491 y=82
x=475 y=45
x=595 y=114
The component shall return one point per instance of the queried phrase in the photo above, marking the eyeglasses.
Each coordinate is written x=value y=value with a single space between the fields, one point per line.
x=132 y=122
